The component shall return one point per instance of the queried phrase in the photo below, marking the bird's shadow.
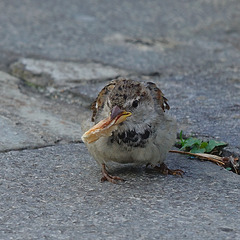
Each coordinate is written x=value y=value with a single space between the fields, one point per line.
x=129 y=171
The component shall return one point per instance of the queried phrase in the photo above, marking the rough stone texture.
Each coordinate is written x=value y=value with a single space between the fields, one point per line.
x=209 y=107
x=190 y=33
x=189 y=48
x=204 y=103
x=30 y=121
x=62 y=74
x=55 y=193
x=193 y=47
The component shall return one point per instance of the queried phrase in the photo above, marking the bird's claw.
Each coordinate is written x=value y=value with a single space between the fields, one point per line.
x=108 y=177
x=166 y=171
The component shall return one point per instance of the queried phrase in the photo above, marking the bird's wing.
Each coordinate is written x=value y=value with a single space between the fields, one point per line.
x=158 y=96
x=99 y=101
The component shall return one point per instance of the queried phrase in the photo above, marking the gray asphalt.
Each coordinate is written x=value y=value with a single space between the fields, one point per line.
x=55 y=193
x=54 y=58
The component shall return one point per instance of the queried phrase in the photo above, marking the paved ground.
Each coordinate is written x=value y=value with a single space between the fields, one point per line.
x=54 y=58
x=55 y=193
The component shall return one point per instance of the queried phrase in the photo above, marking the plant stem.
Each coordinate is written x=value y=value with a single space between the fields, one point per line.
x=203 y=156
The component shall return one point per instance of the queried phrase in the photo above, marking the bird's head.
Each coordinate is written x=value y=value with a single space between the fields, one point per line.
x=123 y=104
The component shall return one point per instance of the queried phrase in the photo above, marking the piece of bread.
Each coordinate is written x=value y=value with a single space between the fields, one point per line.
x=104 y=128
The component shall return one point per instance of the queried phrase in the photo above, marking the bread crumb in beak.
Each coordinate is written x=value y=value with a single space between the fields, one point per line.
x=105 y=127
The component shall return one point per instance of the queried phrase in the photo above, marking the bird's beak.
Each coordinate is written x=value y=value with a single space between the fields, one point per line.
x=105 y=127
x=118 y=114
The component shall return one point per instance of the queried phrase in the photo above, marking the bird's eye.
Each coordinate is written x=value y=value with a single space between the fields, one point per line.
x=135 y=103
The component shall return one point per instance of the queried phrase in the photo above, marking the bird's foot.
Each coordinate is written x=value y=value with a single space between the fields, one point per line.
x=166 y=171
x=108 y=177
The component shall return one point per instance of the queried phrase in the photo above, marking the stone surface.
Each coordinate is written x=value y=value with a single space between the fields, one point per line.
x=66 y=51
x=55 y=193
x=62 y=74
x=145 y=36
x=32 y=121
x=78 y=81
x=204 y=103
x=209 y=107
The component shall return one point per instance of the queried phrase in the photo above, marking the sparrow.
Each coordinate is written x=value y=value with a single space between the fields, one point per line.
x=131 y=126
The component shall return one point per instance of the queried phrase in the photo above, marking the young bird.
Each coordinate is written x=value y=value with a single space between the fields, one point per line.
x=131 y=127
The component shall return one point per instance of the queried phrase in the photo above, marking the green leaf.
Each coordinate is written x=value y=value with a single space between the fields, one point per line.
x=197 y=145
x=180 y=135
x=228 y=168
x=212 y=144
x=192 y=141
x=203 y=145
x=197 y=150
x=181 y=138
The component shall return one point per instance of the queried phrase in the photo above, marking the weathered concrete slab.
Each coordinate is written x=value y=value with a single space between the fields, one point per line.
x=201 y=31
x=55 y=193
x=62 y=74
x=193 y=47
x=13 y=137
x=67 y=80
x=204 y=103
x=32 y=121
x=209 y=107
x=190 y=48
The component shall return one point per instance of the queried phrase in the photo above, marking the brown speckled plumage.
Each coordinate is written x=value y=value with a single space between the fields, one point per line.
x=143 y=138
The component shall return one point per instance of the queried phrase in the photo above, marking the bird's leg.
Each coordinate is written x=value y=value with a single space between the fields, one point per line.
x=166 y=171
x=108 y=177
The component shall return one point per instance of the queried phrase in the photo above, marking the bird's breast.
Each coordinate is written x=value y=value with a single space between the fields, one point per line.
x=130 y=138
